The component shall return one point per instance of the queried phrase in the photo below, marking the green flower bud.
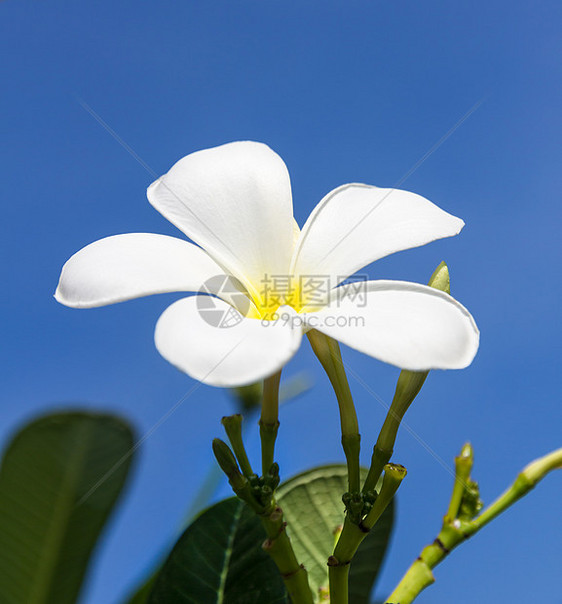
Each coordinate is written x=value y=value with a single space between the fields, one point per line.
x=410 y=382
x=274 y=469
x=440 y=279
x=407 y=388
x=225 y=457
x=227 y=462
x=266 y=495
x=254 y=480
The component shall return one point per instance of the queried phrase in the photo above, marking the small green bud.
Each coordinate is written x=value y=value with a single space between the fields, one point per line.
x=225 y=457
x=266 y=493
x=464 y=461
x=274 y=469
x=272 y=481
x=254 y=480
x=355 y=507
x=471 y=504
x=227 y=462
x=467 y=451
x=464 y=502
x=441 y=279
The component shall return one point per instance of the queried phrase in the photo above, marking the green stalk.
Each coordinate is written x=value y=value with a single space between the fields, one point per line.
x=233 y=428
x=353 y=534
x=339 y=563
x=455 y=530
x=463 y=467
x=328 y=352
x=239 y=483
x=269 y=420
x=277 y=544
x=407 y=388
x=526 y=480
x=279 y=547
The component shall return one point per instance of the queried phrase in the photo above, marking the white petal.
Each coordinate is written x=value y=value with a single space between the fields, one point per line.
x=405 y=324
x=210 y=341
x=128 y=266
x=235 y=202
x=357 y=224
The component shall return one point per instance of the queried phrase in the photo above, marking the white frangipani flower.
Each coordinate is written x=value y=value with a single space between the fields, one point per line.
x=234 y=202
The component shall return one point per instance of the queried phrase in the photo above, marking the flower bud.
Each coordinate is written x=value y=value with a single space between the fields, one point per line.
x=440 y=278
x=407 y=388
x=227 y=462
x=410 y=382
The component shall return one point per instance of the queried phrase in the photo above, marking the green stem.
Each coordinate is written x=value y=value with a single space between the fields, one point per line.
x=233 y=428
x=339 y=563
x=379 y=459
x=239 y=483
x=328 y=352
x=463 y=467
x=394 y=474
x=269 y=420
x=353 y=534
x=419 y=575
x=526 y=480
x=407 y=388
x=455 y=531
x=278 y=546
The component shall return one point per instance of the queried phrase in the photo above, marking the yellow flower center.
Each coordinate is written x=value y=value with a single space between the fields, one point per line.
x=285 y=290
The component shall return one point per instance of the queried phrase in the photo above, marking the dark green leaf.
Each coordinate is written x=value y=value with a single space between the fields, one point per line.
x=60 y=477
x=314 y=510
x=219 y=559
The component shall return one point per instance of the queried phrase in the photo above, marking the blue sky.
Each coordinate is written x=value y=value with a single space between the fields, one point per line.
x=356 y=91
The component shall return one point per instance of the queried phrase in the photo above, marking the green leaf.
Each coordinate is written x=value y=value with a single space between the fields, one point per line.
x=314 y=510
x=60 y=477
x=219 y=560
